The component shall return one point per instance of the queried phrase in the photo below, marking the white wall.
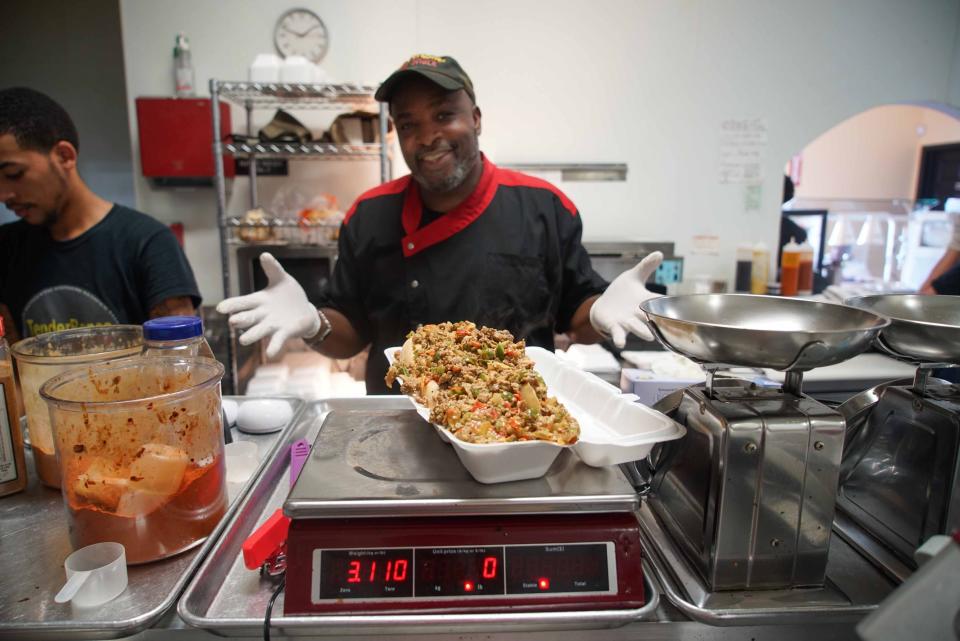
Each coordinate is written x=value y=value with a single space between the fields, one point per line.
x=72 y=52
x=643 y=82
x=875 y=154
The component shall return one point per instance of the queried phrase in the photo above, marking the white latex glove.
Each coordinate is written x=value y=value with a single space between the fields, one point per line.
x=617 y=311
x=281 y=309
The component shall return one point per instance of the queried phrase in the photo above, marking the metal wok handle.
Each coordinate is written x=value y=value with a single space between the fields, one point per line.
x=647 y=473
x=645 y=318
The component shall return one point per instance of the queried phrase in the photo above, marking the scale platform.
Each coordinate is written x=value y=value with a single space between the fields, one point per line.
x=386 y=519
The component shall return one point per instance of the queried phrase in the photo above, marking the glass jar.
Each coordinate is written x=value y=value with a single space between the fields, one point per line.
x=141 y=453
x=42 y=357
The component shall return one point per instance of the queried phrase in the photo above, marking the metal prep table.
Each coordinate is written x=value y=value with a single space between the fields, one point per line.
x=233 y=585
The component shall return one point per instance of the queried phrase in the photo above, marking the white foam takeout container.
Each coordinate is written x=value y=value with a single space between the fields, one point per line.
x=613 y=428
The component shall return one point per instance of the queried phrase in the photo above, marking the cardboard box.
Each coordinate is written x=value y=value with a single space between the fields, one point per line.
x=649 y=387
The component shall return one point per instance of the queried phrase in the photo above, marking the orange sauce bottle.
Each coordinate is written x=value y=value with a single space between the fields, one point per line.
x=13 y=470
x=805 y=278
x=790 y=269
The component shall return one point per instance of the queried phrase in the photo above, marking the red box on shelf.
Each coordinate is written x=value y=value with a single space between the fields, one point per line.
x=176 y=138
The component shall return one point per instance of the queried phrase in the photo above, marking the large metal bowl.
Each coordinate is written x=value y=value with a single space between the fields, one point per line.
x=761 y=331
x=923 y=328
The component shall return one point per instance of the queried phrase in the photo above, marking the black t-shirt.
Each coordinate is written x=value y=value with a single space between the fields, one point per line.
x=508 y=257
x=114 y=272
x=948 y=282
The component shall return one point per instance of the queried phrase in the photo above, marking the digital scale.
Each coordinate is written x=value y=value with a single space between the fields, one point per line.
x=384 y=518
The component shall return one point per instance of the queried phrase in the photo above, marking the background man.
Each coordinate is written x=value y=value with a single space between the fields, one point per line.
x=75 y=259
x=457 y=239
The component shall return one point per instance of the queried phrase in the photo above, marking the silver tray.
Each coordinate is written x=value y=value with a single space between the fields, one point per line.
x=227 y=599
x=34 y=542
x=761 y=331
x=923 y=328
x=854 y=587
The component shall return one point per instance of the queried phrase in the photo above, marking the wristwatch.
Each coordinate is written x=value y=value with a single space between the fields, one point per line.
x=322 y=333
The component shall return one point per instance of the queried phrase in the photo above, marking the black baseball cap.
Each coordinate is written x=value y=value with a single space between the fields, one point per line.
x=442 y=70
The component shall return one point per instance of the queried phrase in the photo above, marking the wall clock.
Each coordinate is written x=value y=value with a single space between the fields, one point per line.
x=301 y=32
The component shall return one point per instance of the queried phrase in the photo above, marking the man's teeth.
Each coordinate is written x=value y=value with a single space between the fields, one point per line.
x=433 y=156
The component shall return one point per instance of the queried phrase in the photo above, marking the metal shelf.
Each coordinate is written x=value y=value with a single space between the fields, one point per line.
x=301 y=95
x=263 y=95
x=315 y=150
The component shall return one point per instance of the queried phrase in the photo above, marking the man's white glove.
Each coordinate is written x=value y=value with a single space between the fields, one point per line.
x=617 y=311
x=281 y=309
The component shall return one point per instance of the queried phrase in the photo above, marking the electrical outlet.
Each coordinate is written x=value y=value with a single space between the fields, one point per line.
x=669 y=271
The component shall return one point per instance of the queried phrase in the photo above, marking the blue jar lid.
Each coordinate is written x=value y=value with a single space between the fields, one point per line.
x=172 y=328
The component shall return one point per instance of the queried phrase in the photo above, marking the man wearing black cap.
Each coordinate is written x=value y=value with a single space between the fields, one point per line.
x=457 y=239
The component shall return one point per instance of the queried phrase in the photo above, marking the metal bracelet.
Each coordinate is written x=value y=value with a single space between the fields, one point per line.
x=322 y=333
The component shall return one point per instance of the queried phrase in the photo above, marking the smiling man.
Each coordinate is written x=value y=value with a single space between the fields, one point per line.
x=75 y=259
x=457 y=239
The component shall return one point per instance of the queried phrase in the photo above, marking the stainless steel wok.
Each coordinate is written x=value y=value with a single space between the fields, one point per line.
x=923 y=328
x=761 y=331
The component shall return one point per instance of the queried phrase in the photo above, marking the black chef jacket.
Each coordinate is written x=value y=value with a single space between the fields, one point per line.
x=508 y=257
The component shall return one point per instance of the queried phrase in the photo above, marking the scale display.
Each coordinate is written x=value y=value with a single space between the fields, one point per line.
x=463 y=572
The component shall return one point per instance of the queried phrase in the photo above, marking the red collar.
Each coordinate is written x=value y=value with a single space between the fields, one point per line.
x=453 y=221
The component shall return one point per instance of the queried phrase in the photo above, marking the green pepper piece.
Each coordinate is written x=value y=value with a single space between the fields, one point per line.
x=500 y=353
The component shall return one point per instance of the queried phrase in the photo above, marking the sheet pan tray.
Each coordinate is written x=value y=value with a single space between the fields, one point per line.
x=227 y=599
x=742 y=330
x=34 y=542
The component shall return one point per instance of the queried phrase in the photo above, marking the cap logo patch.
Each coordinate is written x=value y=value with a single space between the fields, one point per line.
x=423 y=60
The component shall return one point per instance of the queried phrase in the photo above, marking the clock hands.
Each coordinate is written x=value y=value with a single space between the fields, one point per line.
x=298 y=33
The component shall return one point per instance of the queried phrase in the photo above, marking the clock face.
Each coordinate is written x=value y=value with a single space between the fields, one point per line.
x=301 y=32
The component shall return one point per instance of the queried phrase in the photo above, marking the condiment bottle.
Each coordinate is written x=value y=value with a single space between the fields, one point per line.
x=744 y=268
x=789 y=268
x=13 y=469
x=805 y=273
x=760 y=269
x=175 y=336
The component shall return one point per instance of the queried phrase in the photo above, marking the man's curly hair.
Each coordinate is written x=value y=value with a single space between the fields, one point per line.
x=36 y=120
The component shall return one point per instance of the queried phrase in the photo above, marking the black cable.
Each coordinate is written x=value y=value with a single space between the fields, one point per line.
x=266 y=619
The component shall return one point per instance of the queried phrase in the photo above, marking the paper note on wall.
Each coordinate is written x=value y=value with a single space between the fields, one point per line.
x=743 y=142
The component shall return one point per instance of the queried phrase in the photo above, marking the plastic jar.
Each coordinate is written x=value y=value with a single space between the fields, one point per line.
x=140 y=446
x=175 y=336
x=42 y=357
x=13 y=469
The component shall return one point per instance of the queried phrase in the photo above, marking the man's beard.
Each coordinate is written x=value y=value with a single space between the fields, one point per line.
x=461 y=169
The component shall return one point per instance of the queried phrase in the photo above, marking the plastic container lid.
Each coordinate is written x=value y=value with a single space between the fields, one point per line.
x=172 y=328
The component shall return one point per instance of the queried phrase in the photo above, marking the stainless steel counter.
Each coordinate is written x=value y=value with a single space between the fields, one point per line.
x=34 y=542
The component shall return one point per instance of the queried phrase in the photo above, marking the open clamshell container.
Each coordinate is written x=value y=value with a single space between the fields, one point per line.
x=613 y=428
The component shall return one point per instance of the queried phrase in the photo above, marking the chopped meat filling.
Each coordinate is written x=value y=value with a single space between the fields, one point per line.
x=480 y=385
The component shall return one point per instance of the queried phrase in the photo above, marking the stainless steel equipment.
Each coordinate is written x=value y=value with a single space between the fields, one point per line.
x=761 y=331
x=378 y=458
x=900 y=476
x=749 y=495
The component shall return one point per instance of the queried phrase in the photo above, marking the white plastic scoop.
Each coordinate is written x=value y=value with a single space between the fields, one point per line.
x=95 y=574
